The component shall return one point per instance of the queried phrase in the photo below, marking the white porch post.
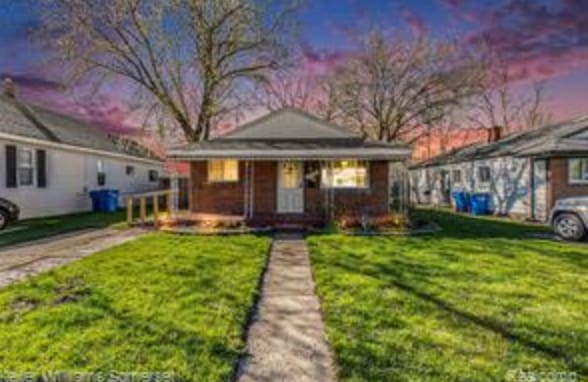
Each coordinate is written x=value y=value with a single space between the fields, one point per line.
x=174 y=185
x=246 y=190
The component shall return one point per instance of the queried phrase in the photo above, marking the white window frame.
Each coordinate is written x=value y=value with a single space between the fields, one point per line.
x=327 y=176
x=583 y=170
x=478 y=174
x=19 y=165
x=456 y=171
x=101 y=169
x=223 y=177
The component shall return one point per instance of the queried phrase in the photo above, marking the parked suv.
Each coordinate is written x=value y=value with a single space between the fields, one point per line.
x=569 y=218
x=8 y=213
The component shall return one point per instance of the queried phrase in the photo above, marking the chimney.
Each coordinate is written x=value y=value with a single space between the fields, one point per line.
x=494 y=133
x=9 y=88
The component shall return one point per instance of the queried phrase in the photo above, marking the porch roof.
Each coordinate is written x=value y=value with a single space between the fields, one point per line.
x=319 y=149
x=290 y=134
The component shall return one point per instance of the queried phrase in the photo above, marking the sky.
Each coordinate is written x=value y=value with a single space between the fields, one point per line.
x=539 y=40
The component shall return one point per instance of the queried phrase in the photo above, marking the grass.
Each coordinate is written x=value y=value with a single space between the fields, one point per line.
x=480 y=301
x=162 y=303
x=33 y=229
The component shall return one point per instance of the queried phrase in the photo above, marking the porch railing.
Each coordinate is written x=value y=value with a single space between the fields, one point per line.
x=153 y=199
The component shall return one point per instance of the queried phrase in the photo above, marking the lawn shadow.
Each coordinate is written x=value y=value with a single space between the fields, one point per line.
x=409 y=278
x=461 y=227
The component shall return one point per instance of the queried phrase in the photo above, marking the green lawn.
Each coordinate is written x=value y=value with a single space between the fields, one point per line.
x=162 y=303
x=475 y=302
x=40 y=228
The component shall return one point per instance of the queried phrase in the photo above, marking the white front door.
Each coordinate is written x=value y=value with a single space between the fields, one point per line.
x=290 y=187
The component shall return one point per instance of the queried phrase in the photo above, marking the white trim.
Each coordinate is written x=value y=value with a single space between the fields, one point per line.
x=67 y=147
x=576 y=181
x=342 y=154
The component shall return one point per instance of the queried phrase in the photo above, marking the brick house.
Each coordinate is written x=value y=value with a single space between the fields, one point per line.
x=526 y=173
x=291 y=167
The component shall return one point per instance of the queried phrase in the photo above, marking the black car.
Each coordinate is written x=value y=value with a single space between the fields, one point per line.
x=8 y=213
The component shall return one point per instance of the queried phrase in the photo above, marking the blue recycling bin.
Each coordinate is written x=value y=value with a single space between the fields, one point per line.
x=461 y=201
x=96 y=197
x=480 y=203
x=109 y=201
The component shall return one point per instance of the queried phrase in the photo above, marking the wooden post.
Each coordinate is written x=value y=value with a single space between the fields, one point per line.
x=130 y=210
x=155 y=210
x=142 y=209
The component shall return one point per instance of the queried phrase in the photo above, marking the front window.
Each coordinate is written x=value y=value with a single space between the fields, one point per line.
x=578 y=170
x=456 y=176
x=153 y=175
x=100 y=173
x=26 y=167
x=483 y=174
x=226 y=170
x=345 y=174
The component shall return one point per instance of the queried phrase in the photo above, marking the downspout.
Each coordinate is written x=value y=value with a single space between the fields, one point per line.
x=252 y=191
x=246 y=191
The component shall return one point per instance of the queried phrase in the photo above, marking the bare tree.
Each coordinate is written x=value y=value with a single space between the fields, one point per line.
x=499 y=104
x=289 y=87
x=187 y=60
x=389 y=90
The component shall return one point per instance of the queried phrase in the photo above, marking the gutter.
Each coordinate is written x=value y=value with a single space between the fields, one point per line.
x=290 y=154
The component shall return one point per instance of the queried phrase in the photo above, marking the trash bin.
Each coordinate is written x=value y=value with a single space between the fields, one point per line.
x=480 y=203
x=109 y=201
x=96 y=197
x=461 y=201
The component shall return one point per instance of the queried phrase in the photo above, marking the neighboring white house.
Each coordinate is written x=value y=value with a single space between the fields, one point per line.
x=49 y=162
x=525 y=173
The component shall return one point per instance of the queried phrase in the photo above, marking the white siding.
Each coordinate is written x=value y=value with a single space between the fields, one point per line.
x=70 y=176
x=540 y=189
x=509 y=185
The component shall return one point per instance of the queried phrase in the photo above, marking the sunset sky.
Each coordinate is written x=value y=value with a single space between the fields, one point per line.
x=541 y=40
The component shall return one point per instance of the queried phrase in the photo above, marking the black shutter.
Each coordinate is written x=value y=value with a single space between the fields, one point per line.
x=41 y=168
x=10 y=166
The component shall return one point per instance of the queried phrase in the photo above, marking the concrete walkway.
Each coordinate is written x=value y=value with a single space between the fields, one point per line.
x=286 y=341
x=25 y=260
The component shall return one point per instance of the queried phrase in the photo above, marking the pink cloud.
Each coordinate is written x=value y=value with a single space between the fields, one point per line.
x=535 y=40
x=101 y=110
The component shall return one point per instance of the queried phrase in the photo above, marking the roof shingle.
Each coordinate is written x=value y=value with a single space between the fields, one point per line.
x=31 y=121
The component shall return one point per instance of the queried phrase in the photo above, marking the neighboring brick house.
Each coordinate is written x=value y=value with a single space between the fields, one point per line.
x=291 y=167
x=525 y=172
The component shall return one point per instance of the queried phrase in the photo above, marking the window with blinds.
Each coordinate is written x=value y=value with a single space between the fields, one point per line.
x=224 y=170
x=345 y=174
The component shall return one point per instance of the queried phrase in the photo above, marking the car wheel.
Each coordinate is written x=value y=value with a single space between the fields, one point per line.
x=569 y=227
x=3 y=220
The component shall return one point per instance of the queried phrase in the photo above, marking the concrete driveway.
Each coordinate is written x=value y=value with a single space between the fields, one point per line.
x=28 y=259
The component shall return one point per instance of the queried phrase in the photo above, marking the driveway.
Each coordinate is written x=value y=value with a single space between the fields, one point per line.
x=24 y=260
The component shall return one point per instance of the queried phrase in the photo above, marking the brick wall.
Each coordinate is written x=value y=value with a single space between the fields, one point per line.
x=227 y=198
x=371 y=201
x=559 y=186
x=265 y=187
x=215 y=198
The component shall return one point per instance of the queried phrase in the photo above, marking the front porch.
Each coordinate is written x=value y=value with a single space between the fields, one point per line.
x=295 y=192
